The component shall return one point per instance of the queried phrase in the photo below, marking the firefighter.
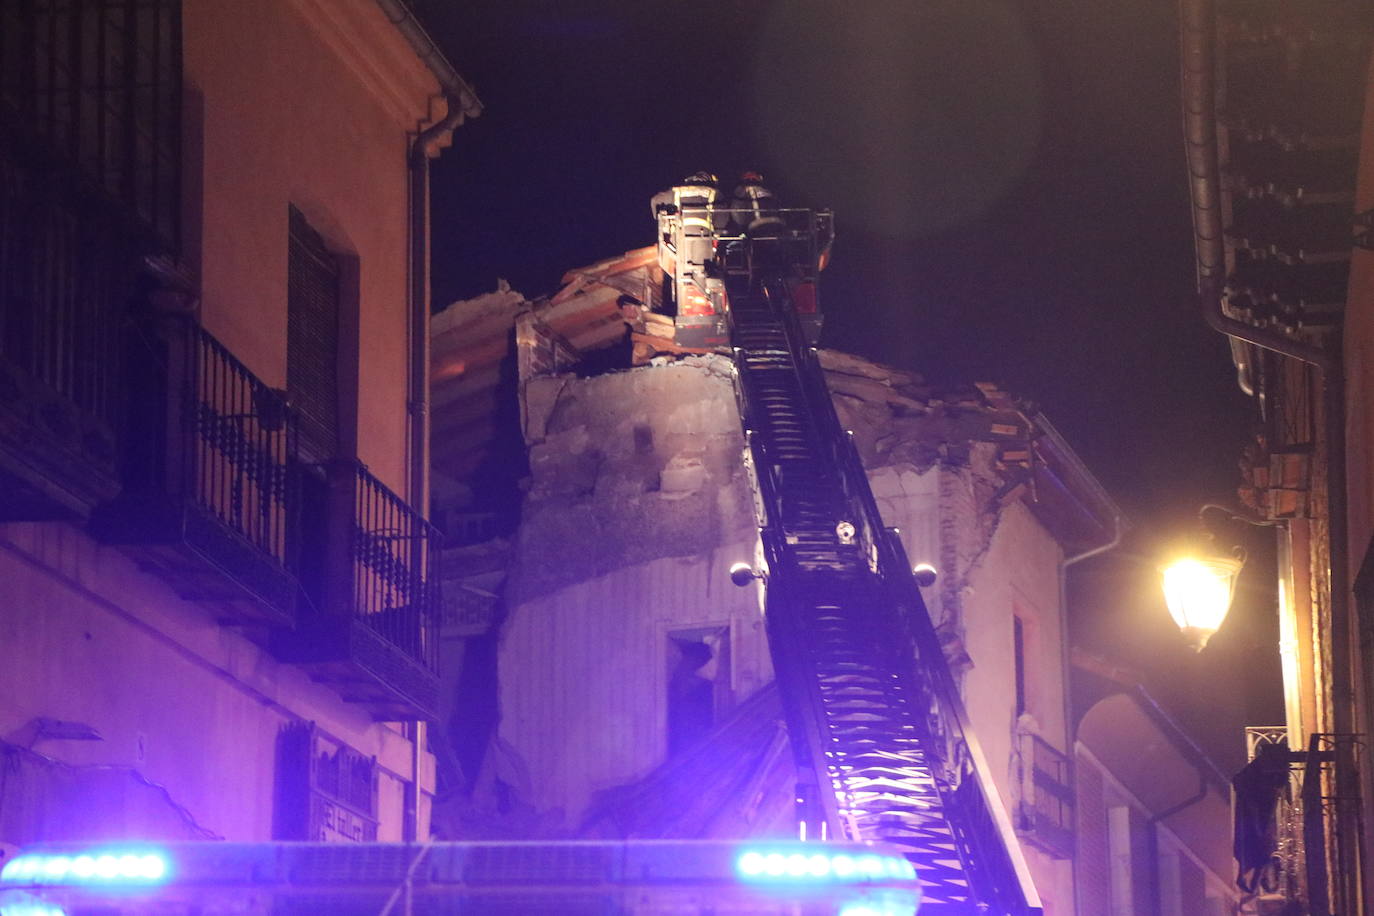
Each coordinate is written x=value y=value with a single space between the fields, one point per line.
x=754 y=208
x=695 y=198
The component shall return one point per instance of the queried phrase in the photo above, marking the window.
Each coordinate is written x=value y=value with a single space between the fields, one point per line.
x=312 y=340
x=698 y=684
x=1018 y=641
x=98 y=85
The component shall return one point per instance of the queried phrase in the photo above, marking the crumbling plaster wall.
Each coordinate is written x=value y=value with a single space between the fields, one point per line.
x=936 y=478
x=637 y=506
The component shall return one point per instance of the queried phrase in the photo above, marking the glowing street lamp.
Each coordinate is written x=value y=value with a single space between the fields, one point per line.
x=1198 y=592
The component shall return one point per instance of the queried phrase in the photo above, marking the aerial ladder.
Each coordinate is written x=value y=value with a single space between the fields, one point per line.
x=881 y=739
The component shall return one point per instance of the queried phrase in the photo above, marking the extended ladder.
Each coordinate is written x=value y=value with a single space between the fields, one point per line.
x=876 y=723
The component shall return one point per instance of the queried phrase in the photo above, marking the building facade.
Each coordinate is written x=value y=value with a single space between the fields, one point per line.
x=630 y=681
x=219 y=598
x=1152 y=808
x=1276 y=105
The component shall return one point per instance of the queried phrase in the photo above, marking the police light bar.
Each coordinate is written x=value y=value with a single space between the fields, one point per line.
x=844 y=879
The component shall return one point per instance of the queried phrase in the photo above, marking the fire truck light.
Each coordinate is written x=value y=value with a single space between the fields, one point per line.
x=31 y=909
x=106 y=867
x=756 y=864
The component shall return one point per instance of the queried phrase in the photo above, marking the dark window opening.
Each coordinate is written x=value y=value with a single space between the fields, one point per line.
x=698 y=684
x=1018 y=638
x=312 y=340
x=97 y=87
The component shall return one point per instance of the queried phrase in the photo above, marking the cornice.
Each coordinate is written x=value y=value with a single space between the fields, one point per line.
x=378 y=55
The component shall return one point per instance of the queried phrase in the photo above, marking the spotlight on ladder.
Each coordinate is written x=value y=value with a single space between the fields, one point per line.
x=925 y=574
x=742 y=574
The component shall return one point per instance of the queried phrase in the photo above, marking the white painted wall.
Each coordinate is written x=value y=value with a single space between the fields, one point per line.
x=186 y=702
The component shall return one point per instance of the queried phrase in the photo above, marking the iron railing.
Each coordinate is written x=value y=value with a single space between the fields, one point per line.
x=393 y=553
x=66 y=273
x=1285 y=875
x=206 y=468
x=68 y=262
x=237 y=435
x=1045 y=816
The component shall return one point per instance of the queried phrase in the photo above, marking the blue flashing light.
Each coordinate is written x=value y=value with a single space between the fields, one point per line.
x=793 y=863
x=31 y=909
x=120 y=867
x=751 y=864
x=878 y=909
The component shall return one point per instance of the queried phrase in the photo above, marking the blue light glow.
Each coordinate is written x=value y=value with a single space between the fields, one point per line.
x=751 y=864
x=31 y=909
x=878 y=909
x=798 y=863
x=111 y=866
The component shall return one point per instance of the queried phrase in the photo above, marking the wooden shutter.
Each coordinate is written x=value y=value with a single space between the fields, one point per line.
x=312 y=340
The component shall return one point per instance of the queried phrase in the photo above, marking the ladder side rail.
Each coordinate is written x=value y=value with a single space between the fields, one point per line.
x=805 y=720
x=985 y=821
x=978 y=806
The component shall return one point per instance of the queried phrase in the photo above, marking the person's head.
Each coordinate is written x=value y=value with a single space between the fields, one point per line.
x=701 y=178
x=751 y=177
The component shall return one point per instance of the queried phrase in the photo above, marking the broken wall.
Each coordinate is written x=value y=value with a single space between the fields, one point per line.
x=637 y=506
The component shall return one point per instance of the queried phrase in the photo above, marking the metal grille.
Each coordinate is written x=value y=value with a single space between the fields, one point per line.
x=238 y=436
x=393 y=552
x=97 y=83
x=67 y=263
x=312 y=339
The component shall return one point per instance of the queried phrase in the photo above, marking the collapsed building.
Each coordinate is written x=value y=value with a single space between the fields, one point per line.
x=617 y=683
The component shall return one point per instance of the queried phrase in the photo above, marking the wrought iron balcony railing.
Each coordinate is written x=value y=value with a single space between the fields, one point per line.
x=90 y=102
x=1045 y=817
x=68 y=263
x=370 y=621
x=207 y=497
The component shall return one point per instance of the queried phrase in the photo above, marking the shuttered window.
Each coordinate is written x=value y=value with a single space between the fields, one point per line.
x=312 y=340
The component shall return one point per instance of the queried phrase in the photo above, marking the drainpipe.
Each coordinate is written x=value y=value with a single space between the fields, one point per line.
x=462 y=103
x=1041 y=422
x=422 y=150
x=1065 y=664
x=1198 y=37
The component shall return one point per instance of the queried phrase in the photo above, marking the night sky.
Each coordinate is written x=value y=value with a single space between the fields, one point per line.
x=1011 y=205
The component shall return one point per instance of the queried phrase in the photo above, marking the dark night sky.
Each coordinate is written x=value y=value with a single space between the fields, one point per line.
x=1011 y=205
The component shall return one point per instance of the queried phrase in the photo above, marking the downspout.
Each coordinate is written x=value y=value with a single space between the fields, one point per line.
x=462 y=103
x=1065 y=663
x=421 y=151
x=1198 y=31
x=1041 y=422
x=1071 y=727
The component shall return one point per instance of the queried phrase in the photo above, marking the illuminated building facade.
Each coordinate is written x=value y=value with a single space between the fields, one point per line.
x=1276 y=103
x=632 y=680
x=218 y=611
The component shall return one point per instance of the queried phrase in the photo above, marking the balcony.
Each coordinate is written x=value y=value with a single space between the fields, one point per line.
x=1046 y=813
x=207 y=499
x=67 y=264
x=369 y=622
x=90 y=96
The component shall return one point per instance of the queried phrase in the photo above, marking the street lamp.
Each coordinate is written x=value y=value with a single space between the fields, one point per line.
x=1198 y=592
